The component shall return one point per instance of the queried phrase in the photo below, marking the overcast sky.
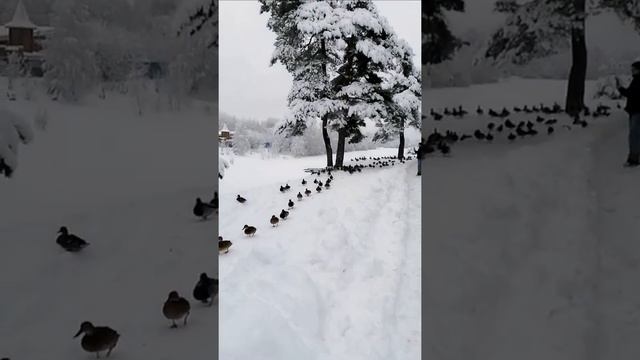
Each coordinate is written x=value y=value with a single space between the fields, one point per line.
x=249 y=87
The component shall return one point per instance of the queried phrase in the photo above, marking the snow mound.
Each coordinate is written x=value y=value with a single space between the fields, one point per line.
x=13 y=131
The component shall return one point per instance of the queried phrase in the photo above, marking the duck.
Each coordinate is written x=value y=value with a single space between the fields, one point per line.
x=203 y=210
x=206 y=289
x=304 y=182
x=249 y=230
x=176 y=307
x=282 y=189
x=274 y=220
x=240 y=199
x=307 y=192
x=70 y=242
x=290 y=204
x=287 y=187
x=299 y=196
x=97 y=338
x=318 y=189
x=223 y=245
x=284 y=214
x=327 y=185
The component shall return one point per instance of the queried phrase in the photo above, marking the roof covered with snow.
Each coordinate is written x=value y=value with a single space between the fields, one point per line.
x=20 y=18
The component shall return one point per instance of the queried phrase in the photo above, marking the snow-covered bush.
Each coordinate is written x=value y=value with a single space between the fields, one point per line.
x=13 y=131
x=223 y=164
x=241 y=145
x=70 y=68
x=605 y=88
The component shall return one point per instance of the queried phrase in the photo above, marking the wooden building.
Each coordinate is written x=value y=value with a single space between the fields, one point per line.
x=21 y=35
x=225 y=136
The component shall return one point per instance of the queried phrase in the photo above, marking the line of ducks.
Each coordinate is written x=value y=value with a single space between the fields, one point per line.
x=459 y=112
x=442 y=142
x=248 y=230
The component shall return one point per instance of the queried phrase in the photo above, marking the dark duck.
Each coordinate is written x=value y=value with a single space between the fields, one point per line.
x=70 y=242
x=203 y=210
x=206 y=289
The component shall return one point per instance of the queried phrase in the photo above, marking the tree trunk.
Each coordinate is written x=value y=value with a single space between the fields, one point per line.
x=327 y=141
x=401 y=146
x=342 y=137
x=575 y=89
x=325 y=118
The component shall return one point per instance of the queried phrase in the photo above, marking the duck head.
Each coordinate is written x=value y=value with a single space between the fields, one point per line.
x=173 y=295
x=85 y=328
x=63 y=230
x=204 y=277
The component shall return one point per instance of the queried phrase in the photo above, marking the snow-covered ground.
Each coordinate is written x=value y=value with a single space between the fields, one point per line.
x=531 y=248
x=127 y=185
x=339 y=279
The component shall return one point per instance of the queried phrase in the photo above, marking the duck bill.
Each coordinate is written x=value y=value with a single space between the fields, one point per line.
x=77 y=334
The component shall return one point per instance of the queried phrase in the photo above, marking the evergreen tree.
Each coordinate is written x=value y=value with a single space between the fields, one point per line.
x=402 y=94
x=541 y=28
x=205 y=15
x=306 y=44
x=438 y=42
x=367 y=56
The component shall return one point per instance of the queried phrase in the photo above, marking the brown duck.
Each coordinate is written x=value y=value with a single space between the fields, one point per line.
x=274 y=220
x=175 y=308
x=97 y=338
x=249 y=230
x=223 y=245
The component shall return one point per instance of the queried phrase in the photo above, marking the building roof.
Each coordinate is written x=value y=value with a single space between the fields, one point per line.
x=20 y=18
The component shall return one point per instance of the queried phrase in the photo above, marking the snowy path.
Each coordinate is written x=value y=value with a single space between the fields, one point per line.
x=617 y=309
x=340 y=279
x=547 y=262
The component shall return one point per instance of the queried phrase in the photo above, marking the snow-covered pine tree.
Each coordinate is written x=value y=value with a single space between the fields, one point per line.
x=541 y=28
x=367 y=55
x=438 y=42
x=204 y=15
x=402 y=94
x=625 y=9
x=70 y=66
x=307 y=43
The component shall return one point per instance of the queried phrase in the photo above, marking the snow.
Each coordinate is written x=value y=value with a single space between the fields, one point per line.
x=339 y=279
x=127 y=185
x=533 y=251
